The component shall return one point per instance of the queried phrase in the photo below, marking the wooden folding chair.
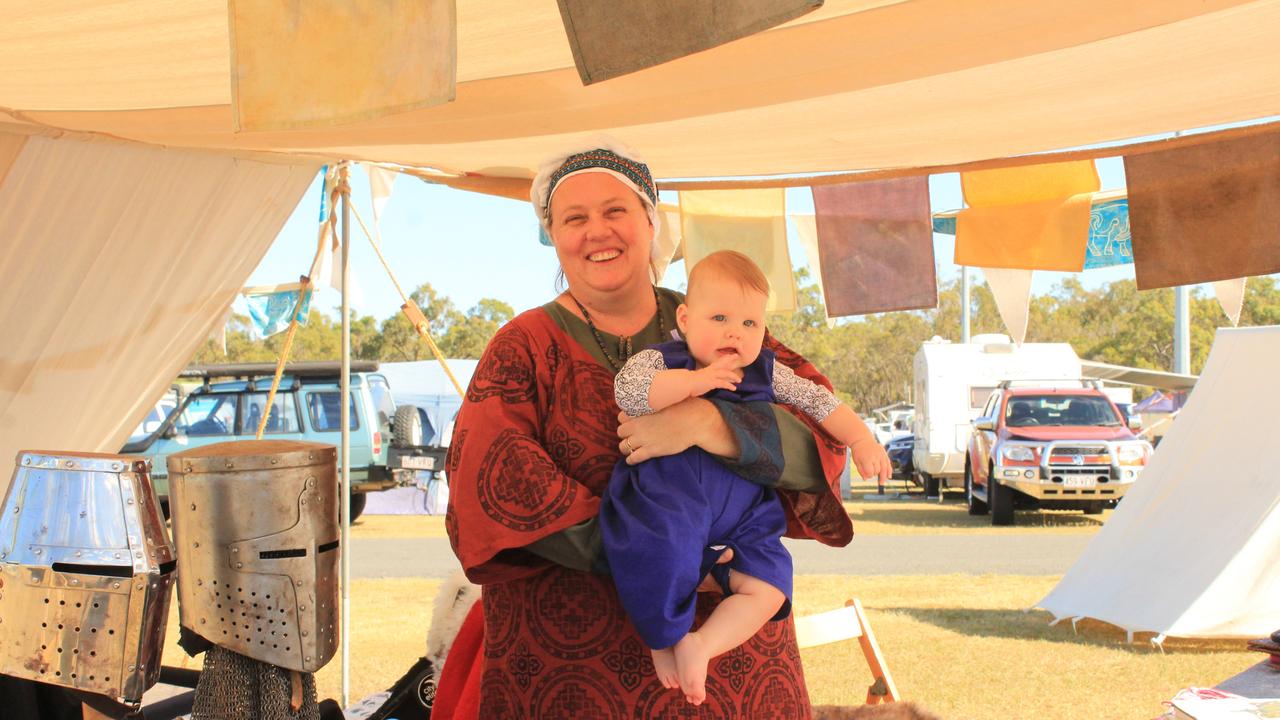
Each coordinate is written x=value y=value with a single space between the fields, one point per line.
x=847 y=623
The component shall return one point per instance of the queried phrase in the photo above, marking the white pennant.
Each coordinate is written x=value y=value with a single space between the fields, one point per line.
x=1012 y=291
x=668 y=239
x=1231 y=296
x=807 y=231
x=381 y=182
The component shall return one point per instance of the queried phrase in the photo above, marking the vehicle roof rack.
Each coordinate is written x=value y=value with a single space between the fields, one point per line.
x=1036 y=382
x=321 y=368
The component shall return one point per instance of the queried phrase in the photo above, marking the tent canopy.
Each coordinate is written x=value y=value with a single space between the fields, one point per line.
x=857 y=84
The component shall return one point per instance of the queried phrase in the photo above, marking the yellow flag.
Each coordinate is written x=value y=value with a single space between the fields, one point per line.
x=753 y=222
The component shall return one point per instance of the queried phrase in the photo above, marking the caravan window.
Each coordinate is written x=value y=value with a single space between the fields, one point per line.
x=978 y=396
x=993 y=401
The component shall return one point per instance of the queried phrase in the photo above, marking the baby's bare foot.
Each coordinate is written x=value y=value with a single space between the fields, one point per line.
x=691 y=665
x=664 y=666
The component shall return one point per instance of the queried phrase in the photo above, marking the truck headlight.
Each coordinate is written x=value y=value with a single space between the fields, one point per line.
x=1131 y=453
x=1018 y=453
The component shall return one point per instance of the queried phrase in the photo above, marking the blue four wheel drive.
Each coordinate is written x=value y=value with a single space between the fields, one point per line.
x=388 y=444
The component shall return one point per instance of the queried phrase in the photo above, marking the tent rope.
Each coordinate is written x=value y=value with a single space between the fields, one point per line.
x=339 y=187
x=410 y=308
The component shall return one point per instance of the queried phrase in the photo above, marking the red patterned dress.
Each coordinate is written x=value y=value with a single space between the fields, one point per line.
x=534 y=446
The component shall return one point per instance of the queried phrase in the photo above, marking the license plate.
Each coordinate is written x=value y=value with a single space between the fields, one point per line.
x=418 y=463
x=1077 y=482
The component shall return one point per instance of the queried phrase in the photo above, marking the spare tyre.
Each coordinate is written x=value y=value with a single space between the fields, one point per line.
x=406 y=427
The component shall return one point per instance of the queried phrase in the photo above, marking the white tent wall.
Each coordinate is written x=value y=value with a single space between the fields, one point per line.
x=118 y=261
x=1194 y=548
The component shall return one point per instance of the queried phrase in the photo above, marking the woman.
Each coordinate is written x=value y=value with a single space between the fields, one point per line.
x=534 y=446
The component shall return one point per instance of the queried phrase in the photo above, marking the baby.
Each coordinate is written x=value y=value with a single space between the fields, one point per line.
x=662 y=519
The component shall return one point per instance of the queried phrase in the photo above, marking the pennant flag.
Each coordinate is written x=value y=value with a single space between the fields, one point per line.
x=300 y=64
x=609 y=39
x=1205 y=212
x=875 y=241
x=668 y=239
x=1231 y=297
x=269 y=308
x=1109 y=243
x=381 y=182
x=1032 y=218
x=543 y=237
x=807 y=232
x=749 y=221
x=1012 y=291
x=945 y=224
x=324 y=271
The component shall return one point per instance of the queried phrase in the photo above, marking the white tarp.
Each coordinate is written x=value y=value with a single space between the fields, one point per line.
x=1194 y=549
x=118 y=261
x=856 y=84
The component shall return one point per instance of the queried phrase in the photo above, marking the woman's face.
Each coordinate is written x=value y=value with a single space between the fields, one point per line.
x=601 y=232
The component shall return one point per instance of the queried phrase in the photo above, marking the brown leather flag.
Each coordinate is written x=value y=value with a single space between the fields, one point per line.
x=1206 y=212
x=875 y=241
x=615 y=38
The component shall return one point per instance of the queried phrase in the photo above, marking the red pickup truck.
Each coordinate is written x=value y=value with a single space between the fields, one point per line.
x=1050 y=447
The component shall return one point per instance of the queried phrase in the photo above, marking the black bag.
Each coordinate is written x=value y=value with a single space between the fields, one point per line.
x=411 y=696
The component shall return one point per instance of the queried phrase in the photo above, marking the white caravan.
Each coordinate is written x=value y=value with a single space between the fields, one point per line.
x=952 y=383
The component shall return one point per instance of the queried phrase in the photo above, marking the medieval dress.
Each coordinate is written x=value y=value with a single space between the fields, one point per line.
x=533 y=450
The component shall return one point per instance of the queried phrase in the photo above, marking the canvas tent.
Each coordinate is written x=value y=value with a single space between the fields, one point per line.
x=1194 y=549
x=131 y=209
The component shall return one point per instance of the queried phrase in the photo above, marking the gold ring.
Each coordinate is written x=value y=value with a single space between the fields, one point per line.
x=627 y=442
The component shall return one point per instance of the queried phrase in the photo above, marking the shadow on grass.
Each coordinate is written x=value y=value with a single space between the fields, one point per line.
x=955 y=515
x=1034 y=625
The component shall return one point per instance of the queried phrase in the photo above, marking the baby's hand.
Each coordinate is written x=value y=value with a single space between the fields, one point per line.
x=723 y=374
x=871 y=460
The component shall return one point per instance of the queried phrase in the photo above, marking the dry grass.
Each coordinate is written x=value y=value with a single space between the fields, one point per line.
x=960 y=645
x=964 y=647
x=390 y=617
x=398 y=526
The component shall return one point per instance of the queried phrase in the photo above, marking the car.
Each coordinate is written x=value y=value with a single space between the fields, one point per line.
x=900 y=450
x=388 y=444
x=1053 y=447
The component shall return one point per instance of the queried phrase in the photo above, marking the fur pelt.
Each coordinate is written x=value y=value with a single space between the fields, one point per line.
x=452 y=603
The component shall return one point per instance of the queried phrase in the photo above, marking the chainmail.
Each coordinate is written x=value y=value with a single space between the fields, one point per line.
x=234 y=687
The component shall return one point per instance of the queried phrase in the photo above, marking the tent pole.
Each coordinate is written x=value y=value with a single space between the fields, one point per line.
x=345 y=487
x=964 y=304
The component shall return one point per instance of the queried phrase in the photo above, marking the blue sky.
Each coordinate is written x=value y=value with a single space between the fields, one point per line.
x=471 y=246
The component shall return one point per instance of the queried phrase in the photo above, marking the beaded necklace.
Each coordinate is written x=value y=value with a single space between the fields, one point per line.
x=624 y=344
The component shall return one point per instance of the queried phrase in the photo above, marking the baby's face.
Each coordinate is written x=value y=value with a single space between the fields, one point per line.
x=721 y=317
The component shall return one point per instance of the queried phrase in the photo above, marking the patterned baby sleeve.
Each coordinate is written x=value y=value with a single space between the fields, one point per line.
x=816 y=401
x=631 y=386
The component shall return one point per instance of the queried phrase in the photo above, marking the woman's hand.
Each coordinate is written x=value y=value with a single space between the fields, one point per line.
x=675 y=429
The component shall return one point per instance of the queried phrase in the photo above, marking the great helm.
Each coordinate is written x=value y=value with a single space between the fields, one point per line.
x=86 y=568
x=256 y=526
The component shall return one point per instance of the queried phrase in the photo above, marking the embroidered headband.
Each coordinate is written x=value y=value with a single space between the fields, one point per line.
x=632 y=172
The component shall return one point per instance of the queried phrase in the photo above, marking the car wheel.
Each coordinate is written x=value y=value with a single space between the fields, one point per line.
x=406 y=427
x=1094 y=507
x=931 y=486
x=1000 y=498
x=976 y=506
x=358 y=501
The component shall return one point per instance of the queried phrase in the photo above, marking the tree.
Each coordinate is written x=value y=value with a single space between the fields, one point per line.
x=400 y=341
x=468 y=337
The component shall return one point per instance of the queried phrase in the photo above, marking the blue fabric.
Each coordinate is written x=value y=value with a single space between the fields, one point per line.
x=660 y=518
x=1109 y=240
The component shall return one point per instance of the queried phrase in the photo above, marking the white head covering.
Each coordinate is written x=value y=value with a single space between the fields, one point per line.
x=613 y=159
